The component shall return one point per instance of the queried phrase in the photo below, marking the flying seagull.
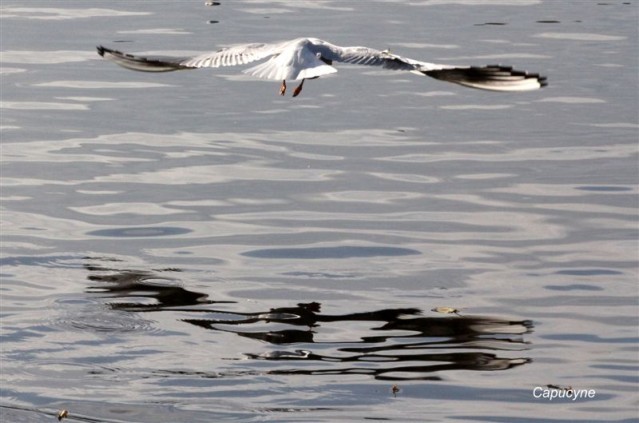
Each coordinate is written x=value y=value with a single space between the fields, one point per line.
x=310 y=58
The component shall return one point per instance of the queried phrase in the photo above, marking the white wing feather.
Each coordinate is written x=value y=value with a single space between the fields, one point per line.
x=233 y=56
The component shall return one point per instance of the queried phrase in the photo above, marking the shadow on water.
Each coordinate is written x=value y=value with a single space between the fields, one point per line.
x=399 y=343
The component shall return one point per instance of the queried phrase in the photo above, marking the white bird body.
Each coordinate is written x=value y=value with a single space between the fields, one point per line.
x=297 y=59
x=308 y=58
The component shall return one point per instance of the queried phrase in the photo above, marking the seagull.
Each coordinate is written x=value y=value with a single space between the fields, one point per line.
x=310 y=58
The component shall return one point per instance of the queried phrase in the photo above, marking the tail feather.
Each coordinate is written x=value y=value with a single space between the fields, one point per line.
x=491 y=77
x=142 y=63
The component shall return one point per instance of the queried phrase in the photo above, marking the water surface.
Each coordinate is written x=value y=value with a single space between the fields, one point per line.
x=193 y=247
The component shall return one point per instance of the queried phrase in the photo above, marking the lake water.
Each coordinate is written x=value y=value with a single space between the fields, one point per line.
x=192 y=247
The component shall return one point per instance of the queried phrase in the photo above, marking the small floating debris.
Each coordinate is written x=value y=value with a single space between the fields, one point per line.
x=212 y=3
x=62 y=414
x=395 y=390
x=446 y=310
x=210 y=22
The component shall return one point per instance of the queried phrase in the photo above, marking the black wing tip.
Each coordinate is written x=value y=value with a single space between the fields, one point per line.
x=106 y=50
x=491 y=77
x=103 y=50
x=495 y=68
x=543 y=81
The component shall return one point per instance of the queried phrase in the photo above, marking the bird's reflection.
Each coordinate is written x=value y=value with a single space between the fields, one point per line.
x=404 y=343
x=135 y=285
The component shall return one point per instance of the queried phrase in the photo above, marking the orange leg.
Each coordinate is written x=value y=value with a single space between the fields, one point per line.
x=298 y=89
x=283 y=88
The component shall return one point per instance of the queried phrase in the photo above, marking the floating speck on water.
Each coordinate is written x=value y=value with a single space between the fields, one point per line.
x=446 y=310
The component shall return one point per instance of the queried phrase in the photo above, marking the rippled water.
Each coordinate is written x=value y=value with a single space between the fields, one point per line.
x=193 y=247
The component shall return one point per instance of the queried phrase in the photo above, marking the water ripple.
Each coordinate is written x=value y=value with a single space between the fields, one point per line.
x=51 y=13
x=340 y=252
x=579 y=36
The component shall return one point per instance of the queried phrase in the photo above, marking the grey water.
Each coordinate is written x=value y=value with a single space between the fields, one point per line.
x=193 y=247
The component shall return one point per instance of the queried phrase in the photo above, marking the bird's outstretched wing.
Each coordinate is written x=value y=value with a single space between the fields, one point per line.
x=363 y=56
x=491 y=78
x=143 y=63
x=230 y=56
x=233 y=56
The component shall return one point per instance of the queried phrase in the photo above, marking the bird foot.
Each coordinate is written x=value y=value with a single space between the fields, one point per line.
x=298 y=89
x=283 y=88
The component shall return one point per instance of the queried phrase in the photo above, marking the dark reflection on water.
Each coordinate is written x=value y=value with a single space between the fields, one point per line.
x=453 y=361
x=491 y=23
x=404 y=345
x=574 y=287
x=136 y=285
x=420 y=348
